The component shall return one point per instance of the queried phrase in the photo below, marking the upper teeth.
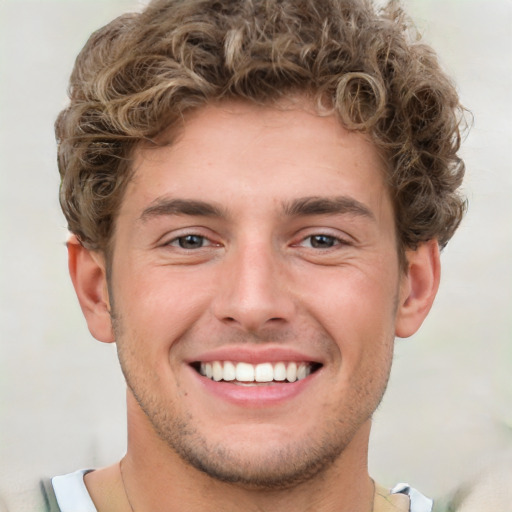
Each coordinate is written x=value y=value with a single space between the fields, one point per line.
x=263 y=372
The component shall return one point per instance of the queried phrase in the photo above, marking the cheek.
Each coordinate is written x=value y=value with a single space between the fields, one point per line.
x=358 y=298
x=157 y=308
x=357 y=309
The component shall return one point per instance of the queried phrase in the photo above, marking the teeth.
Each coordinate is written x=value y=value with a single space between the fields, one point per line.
x=301 y=371
x=263 y=372
x=280 y=372
x=244 y=372
x=217 y=370
x=291 y=372
x=229 y=371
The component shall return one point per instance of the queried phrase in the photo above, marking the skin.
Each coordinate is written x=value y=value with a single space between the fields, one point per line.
x=267 y=269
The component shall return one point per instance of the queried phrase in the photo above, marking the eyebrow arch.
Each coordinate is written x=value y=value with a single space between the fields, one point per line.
x=166 y=206
x=314 y=205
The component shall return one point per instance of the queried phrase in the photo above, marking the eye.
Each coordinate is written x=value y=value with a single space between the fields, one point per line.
x=190 y=242
x=321 y=241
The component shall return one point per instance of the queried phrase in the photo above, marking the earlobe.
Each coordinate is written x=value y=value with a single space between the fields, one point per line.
x=87 y=271
x=419 y=288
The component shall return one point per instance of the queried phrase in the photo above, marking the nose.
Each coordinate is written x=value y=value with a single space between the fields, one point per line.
x=254 y=292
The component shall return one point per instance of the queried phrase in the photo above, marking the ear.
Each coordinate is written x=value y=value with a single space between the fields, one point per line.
x=87 y=270
x=419 y=286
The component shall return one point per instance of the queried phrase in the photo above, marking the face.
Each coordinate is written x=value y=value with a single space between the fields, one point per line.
x=254 y=288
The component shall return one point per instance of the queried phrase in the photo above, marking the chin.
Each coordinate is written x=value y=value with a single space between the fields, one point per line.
x=257 y=458
x=269 y=469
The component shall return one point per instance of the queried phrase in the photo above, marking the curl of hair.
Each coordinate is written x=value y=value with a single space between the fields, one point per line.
x=140 y=74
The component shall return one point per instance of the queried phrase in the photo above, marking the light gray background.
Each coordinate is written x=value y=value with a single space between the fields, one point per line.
x=448 y=410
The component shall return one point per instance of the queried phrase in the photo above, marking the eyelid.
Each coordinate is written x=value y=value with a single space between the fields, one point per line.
x=337 y=241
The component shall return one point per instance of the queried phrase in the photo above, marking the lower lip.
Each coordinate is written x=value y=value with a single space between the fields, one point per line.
x=256 y=396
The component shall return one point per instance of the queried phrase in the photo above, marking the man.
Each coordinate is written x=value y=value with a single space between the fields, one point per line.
x=257 y=192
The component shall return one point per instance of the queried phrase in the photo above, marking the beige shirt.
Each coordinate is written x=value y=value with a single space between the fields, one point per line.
x=384 y=501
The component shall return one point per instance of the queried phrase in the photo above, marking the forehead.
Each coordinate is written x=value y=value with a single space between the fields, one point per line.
x=237 y=151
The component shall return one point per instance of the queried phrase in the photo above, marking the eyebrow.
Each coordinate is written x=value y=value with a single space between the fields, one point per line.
x=300 y=207
x=314 y=205
x=166 y=206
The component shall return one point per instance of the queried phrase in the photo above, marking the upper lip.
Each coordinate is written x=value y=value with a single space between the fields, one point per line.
x=255 y=355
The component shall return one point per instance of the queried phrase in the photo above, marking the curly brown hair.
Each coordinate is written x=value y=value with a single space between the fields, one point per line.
x=140 y=74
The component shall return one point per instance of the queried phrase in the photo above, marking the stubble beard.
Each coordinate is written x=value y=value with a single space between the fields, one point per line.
x=281 y=468
x=278 y=469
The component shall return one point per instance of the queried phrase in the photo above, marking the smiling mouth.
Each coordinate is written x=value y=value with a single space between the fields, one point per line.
x=252 y=374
